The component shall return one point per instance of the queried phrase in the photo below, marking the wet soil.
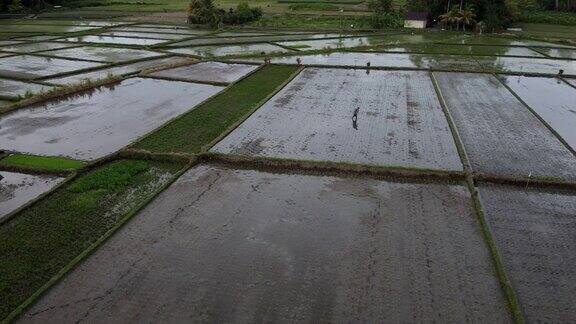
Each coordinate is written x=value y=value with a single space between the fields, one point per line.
x=381 y=118
x=500 y=135
x=552 y=99
x=99 y=122
x=16 y=189
x=248 y=246
x=208 y=72
x=536 y=234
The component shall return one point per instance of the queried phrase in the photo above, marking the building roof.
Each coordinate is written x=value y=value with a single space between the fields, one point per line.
x=417 y=15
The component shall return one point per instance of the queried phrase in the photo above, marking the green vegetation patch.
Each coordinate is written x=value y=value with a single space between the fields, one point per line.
x=41 y=163
x=549 y=17
x=42 y=239
x=201 y=126
x=313 y=6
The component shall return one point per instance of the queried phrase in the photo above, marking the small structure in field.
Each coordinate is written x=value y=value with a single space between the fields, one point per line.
x=416 y=19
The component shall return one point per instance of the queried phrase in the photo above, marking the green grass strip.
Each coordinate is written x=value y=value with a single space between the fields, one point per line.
x=41 y=163
x=40 y=241
x=199 y=127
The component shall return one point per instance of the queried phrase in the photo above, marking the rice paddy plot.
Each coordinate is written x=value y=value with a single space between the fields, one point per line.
x=32 y=67
x=208 y=72
x=173 y=30
x=144 y=35
x=244 y=245
x=103 y=54
x=227 y=50
x=42 y=28
x=117 y=70
x=89 y=125
x=349 y=59
x=334 y=43
x=500 y=135
x=563 y=53
x=253 y=39
x=391 y=60
x=114 y=40
x=535 y=231
x=528 y=65
x=39 y=38
x=9 y=42
x=342 y=115
x=35 y=47
x=464 y=50
x=552 y=99
x=503 y=41
x=17 y=189
x=13 y=88
x=241 y=34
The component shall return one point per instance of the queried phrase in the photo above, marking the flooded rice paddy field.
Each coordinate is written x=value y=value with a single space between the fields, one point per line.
x=557 y=107
x=500 y=135
x=238 y=244
x=101 y=54
x=17 y=189
x=14 y=88
x=536 y=233
x=398 y=121
x=117 y=70
x=34 y=67
x=208 y=72
x=96 y=123
x=248 y=246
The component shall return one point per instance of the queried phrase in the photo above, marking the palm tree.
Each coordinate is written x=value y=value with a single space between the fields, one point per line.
x=467 y=17
x=450 y=17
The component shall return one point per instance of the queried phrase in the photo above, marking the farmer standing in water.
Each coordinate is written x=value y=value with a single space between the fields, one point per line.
x=355 y=118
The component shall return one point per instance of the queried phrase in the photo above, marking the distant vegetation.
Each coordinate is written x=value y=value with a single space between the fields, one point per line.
x=549 y=17
x=204 y=12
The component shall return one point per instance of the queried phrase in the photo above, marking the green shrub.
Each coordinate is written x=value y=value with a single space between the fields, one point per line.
x=313 y=6
x=549 y=17
x=387 y=20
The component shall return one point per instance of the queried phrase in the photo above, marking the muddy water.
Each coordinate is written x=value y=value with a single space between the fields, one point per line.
x=500 y=135
x=30 y=67
x=536 y=234
x=246 y=246
x=399 y=121
x=208 y=71
x=230 y=50
x=16 y=189
x=118 y=70
x=115 y=40
x=102 y=121
x=102 y=54
x=13 y=88
x=552 y=99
